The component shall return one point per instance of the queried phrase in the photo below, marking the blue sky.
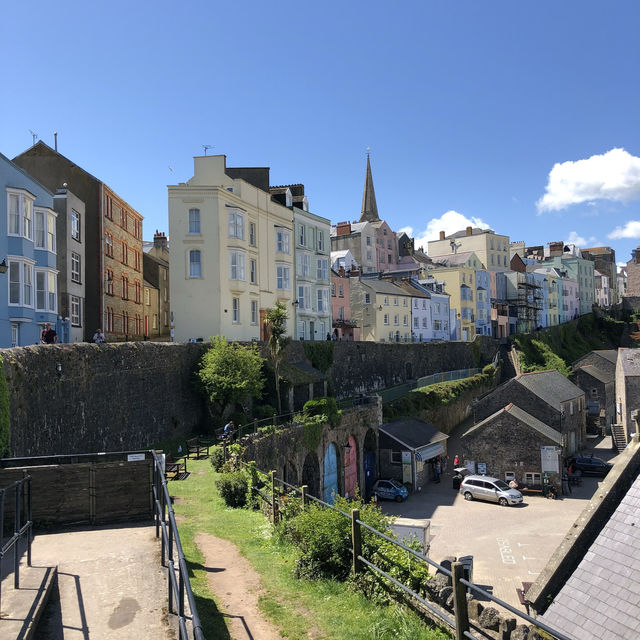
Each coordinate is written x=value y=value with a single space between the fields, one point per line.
x=467 y=106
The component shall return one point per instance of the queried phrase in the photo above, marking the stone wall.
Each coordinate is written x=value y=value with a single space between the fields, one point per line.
x=361 y=367
x=104 y=398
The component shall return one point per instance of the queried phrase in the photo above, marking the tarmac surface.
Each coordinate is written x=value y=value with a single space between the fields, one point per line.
x=509 y=545
x=110 y=582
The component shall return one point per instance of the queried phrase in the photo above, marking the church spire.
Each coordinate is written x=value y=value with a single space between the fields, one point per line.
x=369 y=211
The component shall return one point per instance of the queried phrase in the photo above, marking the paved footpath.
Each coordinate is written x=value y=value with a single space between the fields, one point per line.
x=510 y=545
x=111 y=584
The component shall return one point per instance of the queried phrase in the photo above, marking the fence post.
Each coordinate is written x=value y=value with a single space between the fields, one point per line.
x=460 y=601
x=356 y=540
x=274 y=505
x=304 y=488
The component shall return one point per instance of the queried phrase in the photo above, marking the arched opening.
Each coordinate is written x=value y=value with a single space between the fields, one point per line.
x=369 y=465
x=311 y=474
x=350 y=467
x=330 y=487
x=290 y=473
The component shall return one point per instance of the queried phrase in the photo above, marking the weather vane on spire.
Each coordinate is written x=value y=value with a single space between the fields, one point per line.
x=368 y=151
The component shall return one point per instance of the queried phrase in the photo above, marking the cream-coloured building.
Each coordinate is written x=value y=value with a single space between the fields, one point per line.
x=492 y=249
x=232 y=252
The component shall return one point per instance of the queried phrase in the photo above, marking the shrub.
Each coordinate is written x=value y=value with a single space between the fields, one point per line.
x=488 y=370
x=263 y=411
x=326 y=407
x=233 y=488
x=216 y=457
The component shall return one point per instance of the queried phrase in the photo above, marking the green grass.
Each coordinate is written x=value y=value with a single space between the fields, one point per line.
x=558 y=347
x=324 y=609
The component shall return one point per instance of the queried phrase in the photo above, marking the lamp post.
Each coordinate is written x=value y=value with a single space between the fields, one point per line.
x=3 y=266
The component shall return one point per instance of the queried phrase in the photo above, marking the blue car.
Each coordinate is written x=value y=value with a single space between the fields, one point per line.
x=390 y=490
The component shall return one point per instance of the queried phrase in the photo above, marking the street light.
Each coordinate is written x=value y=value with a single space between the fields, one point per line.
x=3 y=266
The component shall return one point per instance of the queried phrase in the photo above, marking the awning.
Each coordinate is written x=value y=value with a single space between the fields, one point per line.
x=426 y=453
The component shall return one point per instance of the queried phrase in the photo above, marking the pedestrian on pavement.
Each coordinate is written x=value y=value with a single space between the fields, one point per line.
x=456 y=461
x=48 y=335
x=98 y=336
x=436 y=470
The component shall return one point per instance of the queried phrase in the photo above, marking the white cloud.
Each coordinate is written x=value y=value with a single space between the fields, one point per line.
x=449 y=222
x=614 y=175
x=579 y=241
x=630 y=230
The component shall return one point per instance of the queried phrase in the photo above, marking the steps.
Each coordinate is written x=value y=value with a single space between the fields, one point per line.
x=618 y=437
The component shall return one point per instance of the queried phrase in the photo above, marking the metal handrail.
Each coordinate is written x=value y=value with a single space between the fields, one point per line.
x=20 y=530
x=557 y=635
x=178 y=585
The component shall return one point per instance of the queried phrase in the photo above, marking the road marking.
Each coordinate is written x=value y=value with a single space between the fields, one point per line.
x=505 y=551
x=524 y=544
x=528 y=558
x=534 y=573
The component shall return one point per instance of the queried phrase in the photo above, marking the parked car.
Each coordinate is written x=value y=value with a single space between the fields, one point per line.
x=490 y=489
x=390 y=490
x=591 y=466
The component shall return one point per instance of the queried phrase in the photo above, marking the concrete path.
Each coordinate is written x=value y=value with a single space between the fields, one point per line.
x=110 y=581
x=510 y=545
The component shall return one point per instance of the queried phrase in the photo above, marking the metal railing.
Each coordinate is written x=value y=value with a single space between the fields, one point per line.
x=460 y=622
x=22 y=530
x=178 y=583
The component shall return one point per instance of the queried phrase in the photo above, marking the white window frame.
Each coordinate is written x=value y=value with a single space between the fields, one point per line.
x=48 y=289
x=75 y=311
x=24 y=213
x=235 y=310
x=283 y=277
x=194 y=222
x=39 y=228
x=76 y=267
x=75 y=225
x=320 y=240
x=253 y=271
x=254 y=312
x=322 y=269
x=252 y=234
x=195 y=273
x=236 y=224
x=237 y=266
x=322 y=299
x=302 y=235
x=367 y=298
x=24 y=266
x=51 y=232
x=15 y=334
x=283 y=241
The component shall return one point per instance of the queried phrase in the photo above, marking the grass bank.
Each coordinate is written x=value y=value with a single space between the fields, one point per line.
x=301 y=608
x=557 y=347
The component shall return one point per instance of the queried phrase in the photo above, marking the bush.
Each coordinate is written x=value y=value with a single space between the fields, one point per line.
x=233 y=488
x=263 y=411
x=216 y=457
x=488 y=370
x=326 y=407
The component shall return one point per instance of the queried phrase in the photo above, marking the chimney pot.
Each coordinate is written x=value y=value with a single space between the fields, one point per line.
x=469 y=231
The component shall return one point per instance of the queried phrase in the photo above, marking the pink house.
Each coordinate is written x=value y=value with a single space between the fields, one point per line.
x=344 y=328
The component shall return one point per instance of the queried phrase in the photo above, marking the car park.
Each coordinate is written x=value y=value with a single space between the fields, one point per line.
x=590 y=465
x=390 y=490
x=475 y=487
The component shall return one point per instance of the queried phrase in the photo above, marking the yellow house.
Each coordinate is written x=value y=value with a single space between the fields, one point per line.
x=382 y=310
x=491 y=248
x=231 y=252
x=458 y=272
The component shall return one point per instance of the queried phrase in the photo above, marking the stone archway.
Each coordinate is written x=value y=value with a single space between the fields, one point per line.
x=369 y=465
x=290 y=473
x=311 y=474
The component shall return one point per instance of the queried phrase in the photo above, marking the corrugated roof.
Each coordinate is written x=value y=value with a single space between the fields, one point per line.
x=413 y=433
x=550 y=386
x=601 y=599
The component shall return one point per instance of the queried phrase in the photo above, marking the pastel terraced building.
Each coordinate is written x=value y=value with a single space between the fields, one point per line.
x=232 y=251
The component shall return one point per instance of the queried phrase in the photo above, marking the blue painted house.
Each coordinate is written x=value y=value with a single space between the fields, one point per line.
x=483 y=303
x=29 y=287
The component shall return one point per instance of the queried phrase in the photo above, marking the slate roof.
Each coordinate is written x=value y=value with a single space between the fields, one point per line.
x=597 y=373
x=413 y=433
x=524 y=417
x=414 y=291
x=383 y=286
x=610 y=355
x=454 y=259
x=550 y=386
x=630 y=362
x=601 y=599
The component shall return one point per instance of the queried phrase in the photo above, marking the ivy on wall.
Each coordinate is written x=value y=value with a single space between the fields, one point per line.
x=320 y=354
x=5 y=424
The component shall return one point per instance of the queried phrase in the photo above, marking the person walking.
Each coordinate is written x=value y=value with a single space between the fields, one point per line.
x=437 y=468
x=48 y=335
x=98 y=336
x=456 y=461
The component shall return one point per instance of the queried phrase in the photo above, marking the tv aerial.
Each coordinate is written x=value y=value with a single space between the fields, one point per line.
x=34 y=135
x=206 y=148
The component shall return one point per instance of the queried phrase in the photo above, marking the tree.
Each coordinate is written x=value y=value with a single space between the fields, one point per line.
x=276 y=320
x=231 y=373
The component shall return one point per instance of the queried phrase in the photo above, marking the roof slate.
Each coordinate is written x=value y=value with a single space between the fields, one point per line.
x=413 y=433
x=601 y=599
x=597 y=373
x=550 y=386
x=630 y=361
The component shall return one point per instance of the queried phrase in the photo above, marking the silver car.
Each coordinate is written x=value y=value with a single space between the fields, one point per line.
x=490 y=489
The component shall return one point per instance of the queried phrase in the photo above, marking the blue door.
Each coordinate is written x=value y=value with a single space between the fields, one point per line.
x=369 y=464
x=330 y=474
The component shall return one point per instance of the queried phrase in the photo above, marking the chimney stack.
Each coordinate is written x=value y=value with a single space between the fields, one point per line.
x=442 y=235
x=343 y=228
x=55 y=139
x=469 y=231
x=160 y=240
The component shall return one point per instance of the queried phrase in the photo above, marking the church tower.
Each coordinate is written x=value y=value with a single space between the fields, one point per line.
x=369 y=207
